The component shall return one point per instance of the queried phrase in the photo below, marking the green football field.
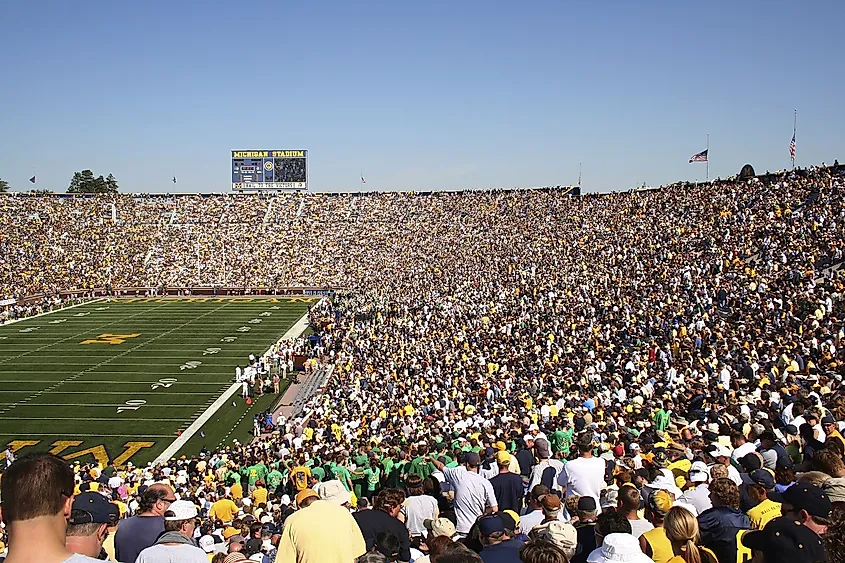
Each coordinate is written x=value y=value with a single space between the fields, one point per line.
x=120 y=379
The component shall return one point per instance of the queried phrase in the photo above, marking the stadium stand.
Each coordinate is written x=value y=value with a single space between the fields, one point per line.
x=516 y=348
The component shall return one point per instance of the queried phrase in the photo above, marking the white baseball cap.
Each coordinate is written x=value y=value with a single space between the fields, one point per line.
x=698 y=472
x=182 y=510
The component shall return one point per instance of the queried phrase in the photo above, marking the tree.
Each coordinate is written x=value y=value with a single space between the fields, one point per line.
x=85 y=183
x=4 y=186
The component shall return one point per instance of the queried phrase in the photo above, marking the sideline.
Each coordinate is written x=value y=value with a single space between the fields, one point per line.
x=53 y=311
x=293 y=332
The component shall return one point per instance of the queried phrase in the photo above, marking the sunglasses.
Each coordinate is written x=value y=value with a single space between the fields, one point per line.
x=168 y=500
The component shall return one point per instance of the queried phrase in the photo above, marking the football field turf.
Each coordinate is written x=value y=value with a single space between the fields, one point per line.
x=119 y=379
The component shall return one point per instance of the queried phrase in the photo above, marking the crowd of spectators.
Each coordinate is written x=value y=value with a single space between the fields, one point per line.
x=517 y=376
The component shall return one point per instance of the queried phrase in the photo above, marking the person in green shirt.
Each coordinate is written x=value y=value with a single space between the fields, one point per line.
x=233 y=477
x=372 y=475
x=274 y=479
x=395 y=476
x=663 y=417
x=421 y=465
x=341 y=473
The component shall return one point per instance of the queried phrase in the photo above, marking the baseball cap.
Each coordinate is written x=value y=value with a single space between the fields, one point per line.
x=182 y=510
x=440 y=526
x=206 y=543
x=768 y=435
x=806 y=497
x=828 y=420
x=550 y=502
x=660 y=502
x=229 y=532
x=786 y=540
x=235 y=557
x=586 y=504
x=503 y=457
x=510 y=518
x=93 y=508
x=500 y=446
x=720 y=451
x=763 y=477
x=698 y=472
x=490 y=524
x=471 y=458
x=304 y=494
x=253 y=546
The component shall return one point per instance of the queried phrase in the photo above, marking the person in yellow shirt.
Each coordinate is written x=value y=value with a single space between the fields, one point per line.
x=320 y=532
x=224 y=510
x=237 y=491
x=259 y=495
x=300 y=475
x=765 y=509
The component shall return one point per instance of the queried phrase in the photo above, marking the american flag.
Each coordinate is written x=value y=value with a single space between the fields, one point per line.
x=700 y=156
x=792 y=148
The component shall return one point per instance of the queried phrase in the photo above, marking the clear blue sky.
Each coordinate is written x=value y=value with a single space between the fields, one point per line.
x=417 y=95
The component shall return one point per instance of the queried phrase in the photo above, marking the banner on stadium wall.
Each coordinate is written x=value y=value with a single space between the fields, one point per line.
x=4 y=302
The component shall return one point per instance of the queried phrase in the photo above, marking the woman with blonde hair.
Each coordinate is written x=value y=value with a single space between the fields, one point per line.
x=681 y=529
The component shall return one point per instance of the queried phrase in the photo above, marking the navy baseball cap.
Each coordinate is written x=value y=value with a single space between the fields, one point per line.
x=489 y=525
x=93 y=508
x=471 y=458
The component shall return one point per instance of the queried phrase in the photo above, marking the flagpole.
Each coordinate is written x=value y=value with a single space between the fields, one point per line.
x=794 y=129
x=579 y=174
x=707 y=173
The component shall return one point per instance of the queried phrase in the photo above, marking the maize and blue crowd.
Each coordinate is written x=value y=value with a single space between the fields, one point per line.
x=515 y=376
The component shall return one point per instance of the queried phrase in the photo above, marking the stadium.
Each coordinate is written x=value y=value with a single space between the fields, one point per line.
x=397 y=329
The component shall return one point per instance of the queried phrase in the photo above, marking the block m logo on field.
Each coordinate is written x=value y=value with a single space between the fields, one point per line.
x=110 y=339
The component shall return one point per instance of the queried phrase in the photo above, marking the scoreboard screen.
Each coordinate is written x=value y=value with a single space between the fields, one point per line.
x=270 y=170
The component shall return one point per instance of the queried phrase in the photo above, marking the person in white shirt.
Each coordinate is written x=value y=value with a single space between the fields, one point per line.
x=628 y=505
x=473 y=493
x=741 y=446
x=583 y=476
x=547 y=470
x=699 y=495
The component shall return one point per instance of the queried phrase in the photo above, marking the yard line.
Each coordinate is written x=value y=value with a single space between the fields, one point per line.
x=51 y=312
x=97 y=435
x=156 y=393
x=111 y=381
x=112 y=358
x=171 y=450
x=94 y=405
x=77 y=335
x=98 y=419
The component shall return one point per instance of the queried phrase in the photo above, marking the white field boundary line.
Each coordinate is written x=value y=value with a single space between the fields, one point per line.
x=51 y=312
x=293 y=332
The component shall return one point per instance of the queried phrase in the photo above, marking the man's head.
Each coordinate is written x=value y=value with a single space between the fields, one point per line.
x=492 y=529
x=90 y=517
x=37 y=486
x=156 y=500
x=698 y=472
x=724 y=493
x=584 y=443
x=587 y=509
x=629 y=499
x=807 y=504
x=610 y=523
x=659 y=504
x=471 y=461
x=389 y=501
x=551 y=506
x=181 y=517
x=305 y=497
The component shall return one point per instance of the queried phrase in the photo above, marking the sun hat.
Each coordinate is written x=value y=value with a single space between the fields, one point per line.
x=619 y=548
x=440 y=526
x=333 y=491
x=563 y=534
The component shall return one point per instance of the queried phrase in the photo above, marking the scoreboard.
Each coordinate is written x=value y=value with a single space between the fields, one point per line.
x=270 y=170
